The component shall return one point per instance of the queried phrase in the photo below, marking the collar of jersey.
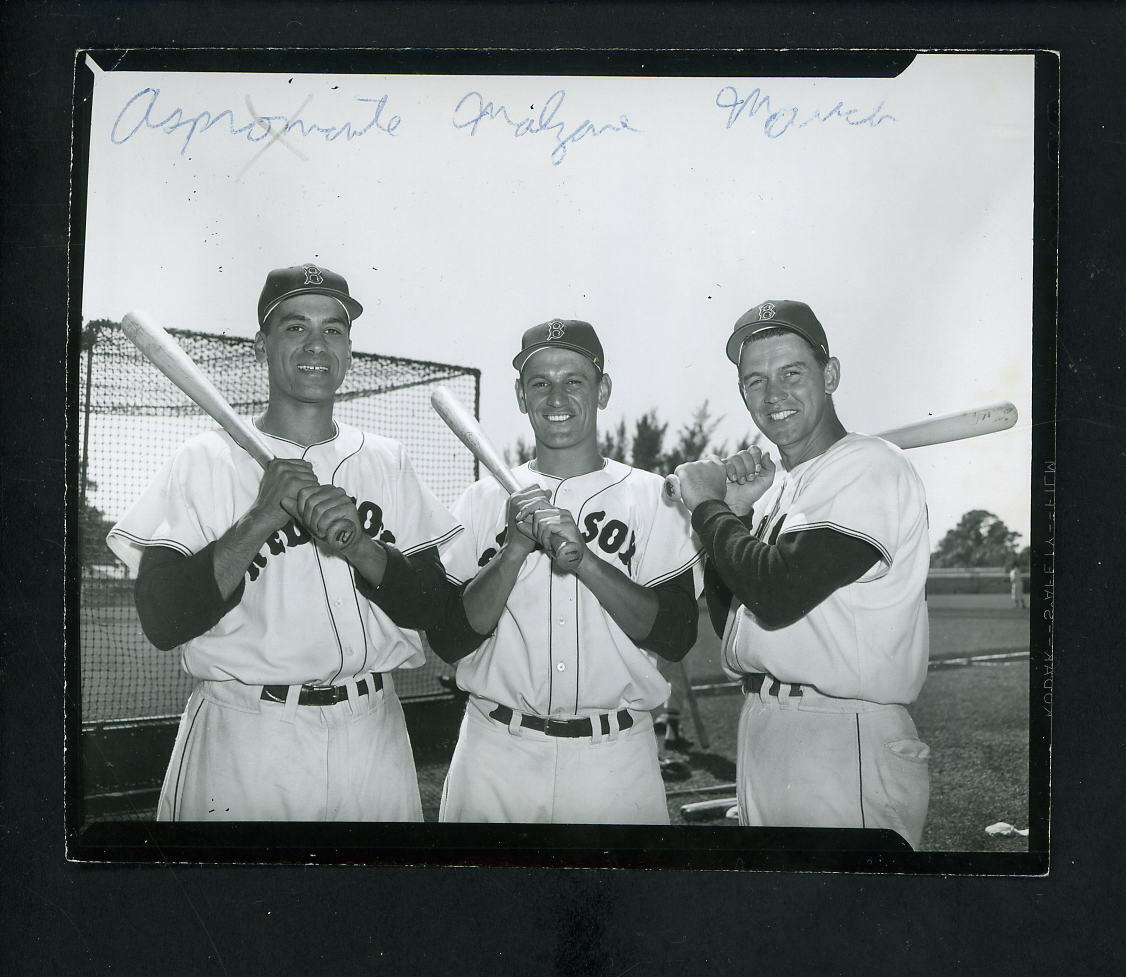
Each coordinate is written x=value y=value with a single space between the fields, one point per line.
x=304 y=447
x=606 y=463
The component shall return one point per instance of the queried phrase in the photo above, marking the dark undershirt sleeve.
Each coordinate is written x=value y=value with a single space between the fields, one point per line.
x=453 y=638
x=716 y=593
x=414 y=592
x=674 y=628
x=782 y=583
x=176 y=596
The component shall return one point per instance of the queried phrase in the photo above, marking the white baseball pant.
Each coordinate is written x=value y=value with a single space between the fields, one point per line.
x=239 y=758
x=817 y=761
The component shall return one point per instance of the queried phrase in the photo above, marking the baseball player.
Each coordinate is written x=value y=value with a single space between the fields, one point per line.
x=826 y=560
x=558 y=658
x=291 y=594
x=1016 y=586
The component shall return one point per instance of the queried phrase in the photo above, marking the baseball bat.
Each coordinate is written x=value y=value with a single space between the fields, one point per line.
x=162 y=350
x=469 y=432
x=960 y=424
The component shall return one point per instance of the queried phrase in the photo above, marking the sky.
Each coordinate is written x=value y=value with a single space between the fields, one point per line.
x=463 y=209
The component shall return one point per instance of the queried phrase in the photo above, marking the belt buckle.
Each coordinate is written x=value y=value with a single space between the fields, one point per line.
x=560 y=724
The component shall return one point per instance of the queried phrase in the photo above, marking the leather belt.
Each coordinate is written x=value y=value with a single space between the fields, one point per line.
x=322 y=695
x=752 y=685
x=572 y=728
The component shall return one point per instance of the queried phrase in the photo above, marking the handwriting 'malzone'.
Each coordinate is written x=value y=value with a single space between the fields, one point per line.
x=473 y=107
x=141 y=112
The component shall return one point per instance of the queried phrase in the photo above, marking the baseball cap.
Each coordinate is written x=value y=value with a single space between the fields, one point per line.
x=561 y=334
x=284 y=283
x=777 y=314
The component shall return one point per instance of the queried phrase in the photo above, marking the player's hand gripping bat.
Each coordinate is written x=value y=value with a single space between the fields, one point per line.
x=934 y=430
x=166 y=355
x=470 y=433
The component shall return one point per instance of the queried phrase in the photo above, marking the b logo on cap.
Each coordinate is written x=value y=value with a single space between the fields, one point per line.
x=313 y=275
x=555 y=329
x=766 y=310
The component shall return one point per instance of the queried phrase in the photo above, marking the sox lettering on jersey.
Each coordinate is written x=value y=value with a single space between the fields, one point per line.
x=609 y=538
x=294 y=534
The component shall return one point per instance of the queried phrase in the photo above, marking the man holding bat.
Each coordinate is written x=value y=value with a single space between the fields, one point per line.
x=572 y=585
x=816 y=575
x=291 y=593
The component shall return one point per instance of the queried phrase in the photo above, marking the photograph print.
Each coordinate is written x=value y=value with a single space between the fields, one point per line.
x=562 y=458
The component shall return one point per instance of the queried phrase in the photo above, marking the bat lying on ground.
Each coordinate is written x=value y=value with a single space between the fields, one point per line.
x=934 y=430
x=470 y=433
x=162 y=350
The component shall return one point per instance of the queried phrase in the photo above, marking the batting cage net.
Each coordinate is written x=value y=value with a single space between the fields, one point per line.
x=132 y=419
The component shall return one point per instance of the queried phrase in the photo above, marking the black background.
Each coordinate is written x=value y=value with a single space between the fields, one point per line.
x=60 y=918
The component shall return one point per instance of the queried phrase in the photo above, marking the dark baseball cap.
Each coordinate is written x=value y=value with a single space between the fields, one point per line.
x=777 y=314
x=561 y=334
x=284 y=283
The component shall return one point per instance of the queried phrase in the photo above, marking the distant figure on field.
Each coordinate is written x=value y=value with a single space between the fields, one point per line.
x=1016 y=581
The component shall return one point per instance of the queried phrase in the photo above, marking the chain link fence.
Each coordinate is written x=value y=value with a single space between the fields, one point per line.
x=132 y=419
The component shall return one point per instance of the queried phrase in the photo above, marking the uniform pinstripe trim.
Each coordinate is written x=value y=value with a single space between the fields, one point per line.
x=860 y=771
x=183 y=758
x=433 y=542
x=456 y=581
x=550 y=647
x=157 y=541
x=350 y=455
x=855 y=534
x=331 y=617
x=591 y=498
x=656 y=581
x=324 y=583
x=360 y=618
x=578 y=646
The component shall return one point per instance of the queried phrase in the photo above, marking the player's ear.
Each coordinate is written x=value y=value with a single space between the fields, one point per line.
x=832 y=374
x=260 y=346
x=604 y=388
x=520 y=397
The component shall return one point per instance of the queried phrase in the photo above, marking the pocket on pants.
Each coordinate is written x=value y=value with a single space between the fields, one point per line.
x=906 y=782
x=914 y=751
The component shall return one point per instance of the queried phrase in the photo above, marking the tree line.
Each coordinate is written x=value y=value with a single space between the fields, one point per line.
x=643 y=445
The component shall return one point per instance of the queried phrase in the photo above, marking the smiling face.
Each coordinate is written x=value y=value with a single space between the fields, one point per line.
x=788 y=395
x=562 y=391
x=306 y=346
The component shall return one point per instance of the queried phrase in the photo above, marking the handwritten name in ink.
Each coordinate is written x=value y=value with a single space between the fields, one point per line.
x=777 y=122
x=141 y=113
x=473 y=109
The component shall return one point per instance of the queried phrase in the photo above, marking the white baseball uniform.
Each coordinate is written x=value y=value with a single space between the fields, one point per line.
x=1016 y=587
x=826 y=740
x=300 y=621
x=557 y=653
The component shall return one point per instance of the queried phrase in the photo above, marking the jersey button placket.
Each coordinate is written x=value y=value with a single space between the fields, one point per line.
x=564 y=630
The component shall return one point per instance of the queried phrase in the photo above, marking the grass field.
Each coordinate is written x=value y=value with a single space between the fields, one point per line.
x=973 y=716
x=974 y=719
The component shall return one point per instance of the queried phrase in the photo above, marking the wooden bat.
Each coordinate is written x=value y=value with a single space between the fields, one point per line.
x=470 y=433
x=162 y=350
x=961 y=424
